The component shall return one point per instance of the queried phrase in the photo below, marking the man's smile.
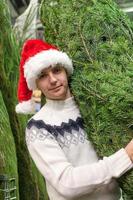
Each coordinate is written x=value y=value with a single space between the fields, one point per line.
x=55 y=88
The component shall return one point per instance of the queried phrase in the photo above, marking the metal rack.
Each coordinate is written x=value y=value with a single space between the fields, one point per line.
x=7 y=188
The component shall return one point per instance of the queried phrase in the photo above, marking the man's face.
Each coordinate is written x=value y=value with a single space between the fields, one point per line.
x=53 y=83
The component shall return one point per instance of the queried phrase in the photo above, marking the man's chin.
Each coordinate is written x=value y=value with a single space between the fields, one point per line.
x=58 y=97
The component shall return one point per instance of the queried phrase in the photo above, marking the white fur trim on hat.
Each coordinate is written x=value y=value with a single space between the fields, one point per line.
x=26 y=107
x=42 y=60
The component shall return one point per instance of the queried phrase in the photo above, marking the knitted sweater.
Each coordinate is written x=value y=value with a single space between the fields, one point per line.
x=58 y=145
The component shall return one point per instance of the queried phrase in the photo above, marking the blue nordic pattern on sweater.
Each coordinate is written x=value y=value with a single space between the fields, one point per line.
x=67 y=133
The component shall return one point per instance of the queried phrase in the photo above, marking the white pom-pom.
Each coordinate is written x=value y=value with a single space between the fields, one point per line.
x=26 y=107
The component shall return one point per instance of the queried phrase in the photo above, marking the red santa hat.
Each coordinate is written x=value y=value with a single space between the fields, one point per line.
x=36 y=55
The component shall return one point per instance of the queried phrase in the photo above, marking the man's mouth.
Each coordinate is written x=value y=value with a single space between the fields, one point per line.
x=55 y=88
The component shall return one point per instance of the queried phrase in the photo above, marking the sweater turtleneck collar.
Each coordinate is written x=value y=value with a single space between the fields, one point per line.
x=61 y=104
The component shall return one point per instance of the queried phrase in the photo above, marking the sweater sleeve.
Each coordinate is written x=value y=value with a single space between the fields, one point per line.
x=67 y=179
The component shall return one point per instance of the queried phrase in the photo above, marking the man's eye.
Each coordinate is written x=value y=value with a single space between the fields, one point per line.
x=57 y=70
x=42 y=75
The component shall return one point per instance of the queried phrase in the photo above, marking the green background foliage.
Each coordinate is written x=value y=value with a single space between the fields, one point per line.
x=8 y=158
x=98 y=37
x=14 y=157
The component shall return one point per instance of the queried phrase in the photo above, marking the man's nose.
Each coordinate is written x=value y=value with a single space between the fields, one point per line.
x=52 y=78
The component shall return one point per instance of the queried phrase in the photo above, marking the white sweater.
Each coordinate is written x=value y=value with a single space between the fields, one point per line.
x=59 y=147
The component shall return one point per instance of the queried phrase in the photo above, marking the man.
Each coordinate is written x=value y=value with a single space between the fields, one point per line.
x=55 y=135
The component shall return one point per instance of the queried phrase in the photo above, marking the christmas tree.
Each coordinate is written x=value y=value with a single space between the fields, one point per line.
x=99 y=38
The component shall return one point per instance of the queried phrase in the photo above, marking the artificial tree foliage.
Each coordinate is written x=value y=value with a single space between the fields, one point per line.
x=98 y=36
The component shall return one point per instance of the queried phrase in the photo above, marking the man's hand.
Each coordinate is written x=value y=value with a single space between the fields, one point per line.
x=129 y=149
